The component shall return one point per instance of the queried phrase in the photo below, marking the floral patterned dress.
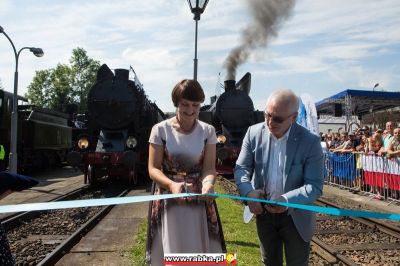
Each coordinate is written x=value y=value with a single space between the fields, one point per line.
x=192 y=227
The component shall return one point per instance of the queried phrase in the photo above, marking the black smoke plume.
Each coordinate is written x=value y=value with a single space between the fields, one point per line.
x=268 y=15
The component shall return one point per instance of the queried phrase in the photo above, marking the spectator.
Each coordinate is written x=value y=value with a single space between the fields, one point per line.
x=394 y=146
x=375 y=144
x=351 y=143
x=366 y=131
x=324 y=144
x=347 y=143
x=361 y=147
x=388 y=137
x=335 y=141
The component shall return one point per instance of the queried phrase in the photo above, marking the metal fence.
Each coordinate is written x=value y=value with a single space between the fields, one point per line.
x=376 y=176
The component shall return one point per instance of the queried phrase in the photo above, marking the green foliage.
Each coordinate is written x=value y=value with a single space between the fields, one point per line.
x=138 y=251
x=57 y=87
x=240 y=238
x=84 y=71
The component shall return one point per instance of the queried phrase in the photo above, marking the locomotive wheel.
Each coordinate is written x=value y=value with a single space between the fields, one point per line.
x=91 y=174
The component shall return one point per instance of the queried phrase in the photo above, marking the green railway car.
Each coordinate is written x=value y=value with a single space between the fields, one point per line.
x=44 y=136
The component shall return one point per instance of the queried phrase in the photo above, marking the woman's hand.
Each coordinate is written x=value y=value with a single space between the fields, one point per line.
x=179 y=187
x=176 y=187
x=208 y=188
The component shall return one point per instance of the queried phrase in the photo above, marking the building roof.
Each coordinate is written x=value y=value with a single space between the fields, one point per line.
x=361 y=101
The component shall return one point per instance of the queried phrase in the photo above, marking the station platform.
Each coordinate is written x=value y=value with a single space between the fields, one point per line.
x=52 y=183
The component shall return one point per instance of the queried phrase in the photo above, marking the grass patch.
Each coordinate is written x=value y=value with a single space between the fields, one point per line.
x=240 y=238
x=138 y=251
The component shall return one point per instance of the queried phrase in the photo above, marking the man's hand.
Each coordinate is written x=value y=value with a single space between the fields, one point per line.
x=255 y=207
x=273 y=208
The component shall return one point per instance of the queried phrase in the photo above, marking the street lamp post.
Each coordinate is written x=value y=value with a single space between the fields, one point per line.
x=14 y=115
x=376 y=85
x=372 y=107
x=197 y=7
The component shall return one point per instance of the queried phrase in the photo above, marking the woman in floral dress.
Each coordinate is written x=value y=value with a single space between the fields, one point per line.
x=182 y=159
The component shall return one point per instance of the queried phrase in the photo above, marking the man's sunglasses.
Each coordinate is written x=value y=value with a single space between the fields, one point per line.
x=276 y=119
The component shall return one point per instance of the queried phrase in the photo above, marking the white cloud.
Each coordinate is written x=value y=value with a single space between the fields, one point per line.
x=325 y=44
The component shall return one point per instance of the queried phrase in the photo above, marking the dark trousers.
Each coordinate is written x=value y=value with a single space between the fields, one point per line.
x=277 y=231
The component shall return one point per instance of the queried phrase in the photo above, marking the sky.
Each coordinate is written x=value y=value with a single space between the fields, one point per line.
x=324 y=47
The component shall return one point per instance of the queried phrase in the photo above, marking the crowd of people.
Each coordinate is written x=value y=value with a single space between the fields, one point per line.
x=364 y=140
x=383 y=143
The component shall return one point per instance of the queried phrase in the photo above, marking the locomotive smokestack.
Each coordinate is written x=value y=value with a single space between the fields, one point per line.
x=121 y=73
x=230 y=84
x=268 y=15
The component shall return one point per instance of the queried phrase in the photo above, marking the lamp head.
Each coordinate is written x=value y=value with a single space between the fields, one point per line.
x=197 y=7
x=1 y=29
x=37 y=51
x=376 y=85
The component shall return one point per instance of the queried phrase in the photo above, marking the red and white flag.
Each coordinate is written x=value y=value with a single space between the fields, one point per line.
x=381 y=171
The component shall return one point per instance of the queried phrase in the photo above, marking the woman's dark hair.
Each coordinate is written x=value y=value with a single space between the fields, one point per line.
x=187 y=89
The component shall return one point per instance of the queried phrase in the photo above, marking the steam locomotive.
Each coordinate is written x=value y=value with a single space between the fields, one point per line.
x=114 y=141
x=44 y=136
x=231 y=114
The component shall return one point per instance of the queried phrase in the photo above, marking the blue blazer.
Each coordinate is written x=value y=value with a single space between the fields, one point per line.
x=303 y=176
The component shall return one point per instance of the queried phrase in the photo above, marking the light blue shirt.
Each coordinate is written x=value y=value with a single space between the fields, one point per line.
x=276 y=167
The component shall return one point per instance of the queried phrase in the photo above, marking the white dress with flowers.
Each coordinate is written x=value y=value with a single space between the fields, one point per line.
x=194 y=226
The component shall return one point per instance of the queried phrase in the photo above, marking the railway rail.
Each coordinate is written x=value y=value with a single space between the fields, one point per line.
x=42 y=238
x=356 y=241
x=9 y=218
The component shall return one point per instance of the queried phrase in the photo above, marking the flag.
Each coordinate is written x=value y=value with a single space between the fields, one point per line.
x=381 y=171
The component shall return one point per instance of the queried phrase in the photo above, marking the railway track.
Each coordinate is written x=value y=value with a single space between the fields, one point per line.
x=72 y=194
x=348 y=241
x=356 y=241
x=42 y=238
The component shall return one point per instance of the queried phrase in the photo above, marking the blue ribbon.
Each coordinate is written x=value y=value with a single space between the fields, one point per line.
x=85 y=203
x=323 y=210
x=136 y=199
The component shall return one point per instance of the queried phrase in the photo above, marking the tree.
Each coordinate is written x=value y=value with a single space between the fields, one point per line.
x=40 y=88
x=84 y=71
x=57 y=87
x=60 y=95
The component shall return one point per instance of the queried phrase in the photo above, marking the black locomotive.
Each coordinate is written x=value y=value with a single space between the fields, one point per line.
x=44 y=136
x=114 y=140
x=231 y=114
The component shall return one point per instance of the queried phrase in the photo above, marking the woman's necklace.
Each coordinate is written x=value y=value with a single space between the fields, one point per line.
x=181 y=127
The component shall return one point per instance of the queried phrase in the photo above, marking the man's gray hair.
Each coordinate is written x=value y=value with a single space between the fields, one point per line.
x=286 y=97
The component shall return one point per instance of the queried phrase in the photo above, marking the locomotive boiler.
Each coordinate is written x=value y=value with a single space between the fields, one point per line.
x=114 y=142
x=231 y=114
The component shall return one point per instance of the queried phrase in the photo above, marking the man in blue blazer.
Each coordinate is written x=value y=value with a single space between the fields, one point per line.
x=286 y=162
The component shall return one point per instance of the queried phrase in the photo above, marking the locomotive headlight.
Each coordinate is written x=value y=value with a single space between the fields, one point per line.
x=221 y=139
x=83 y=143
x=131 y=142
